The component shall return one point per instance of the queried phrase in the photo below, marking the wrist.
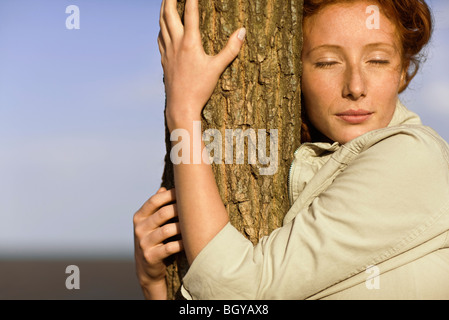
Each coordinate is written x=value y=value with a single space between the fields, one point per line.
x=181 y=118
x=155 y=290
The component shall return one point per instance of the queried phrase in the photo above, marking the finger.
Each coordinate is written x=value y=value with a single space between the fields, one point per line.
x=159 y=200
x=162 y=49
x=231 y=50
x=155 y=203
x=173 y=247
x=161 y=45
x=192 y=18
x=165 y=36
x=147 y=225
x=163 y=215
x=162 y=10
x=164 y=251
x=159 y=235
x=162 y=189
x=172 y=20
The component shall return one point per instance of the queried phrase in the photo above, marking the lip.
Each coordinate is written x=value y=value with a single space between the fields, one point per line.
x=355 y=116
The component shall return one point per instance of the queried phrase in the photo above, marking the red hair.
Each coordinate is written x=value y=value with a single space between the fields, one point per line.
x=414 y=25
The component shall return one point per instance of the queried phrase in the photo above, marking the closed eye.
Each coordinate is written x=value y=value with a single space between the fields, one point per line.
x=324 y=65
x=379 y=62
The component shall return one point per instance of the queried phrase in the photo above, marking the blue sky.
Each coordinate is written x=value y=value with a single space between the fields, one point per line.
x=81 y=124
x=81 y=121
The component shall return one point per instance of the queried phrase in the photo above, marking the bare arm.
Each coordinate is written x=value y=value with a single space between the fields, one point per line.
x=202 y=213
x=190 y=78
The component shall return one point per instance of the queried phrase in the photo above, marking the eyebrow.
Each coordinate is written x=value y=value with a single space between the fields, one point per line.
x=368 y=46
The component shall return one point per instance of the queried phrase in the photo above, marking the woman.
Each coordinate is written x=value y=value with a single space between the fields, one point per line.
x=370 y=191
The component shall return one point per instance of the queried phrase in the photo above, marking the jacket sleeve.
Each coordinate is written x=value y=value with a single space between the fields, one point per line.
x=383 y=202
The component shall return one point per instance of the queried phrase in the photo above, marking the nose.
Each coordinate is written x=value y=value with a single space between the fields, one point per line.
x=354 y=87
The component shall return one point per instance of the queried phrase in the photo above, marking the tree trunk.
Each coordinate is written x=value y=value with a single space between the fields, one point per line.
x=259 y=90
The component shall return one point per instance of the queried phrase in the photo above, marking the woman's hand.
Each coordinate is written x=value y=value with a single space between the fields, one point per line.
x=150 y=234
x=190 y=74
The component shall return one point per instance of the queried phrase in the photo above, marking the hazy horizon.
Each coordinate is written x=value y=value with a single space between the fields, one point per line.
x=81 y=122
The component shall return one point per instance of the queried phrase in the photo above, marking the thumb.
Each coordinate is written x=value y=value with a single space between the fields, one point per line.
x=231 y=50
x=161 y=190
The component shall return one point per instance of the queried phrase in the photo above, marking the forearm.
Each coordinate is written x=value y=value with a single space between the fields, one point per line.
x=190 y=77
x=155 y=291
x=200 y=209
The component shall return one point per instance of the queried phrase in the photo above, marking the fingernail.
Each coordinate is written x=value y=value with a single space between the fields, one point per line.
x=242 y=33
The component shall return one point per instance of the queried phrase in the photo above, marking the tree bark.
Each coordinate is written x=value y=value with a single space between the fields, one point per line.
x=259 y=90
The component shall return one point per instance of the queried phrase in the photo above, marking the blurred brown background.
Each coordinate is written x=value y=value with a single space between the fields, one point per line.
x=45 y=279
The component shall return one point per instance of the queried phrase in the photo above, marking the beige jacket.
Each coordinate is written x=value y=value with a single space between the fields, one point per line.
x=369 y=220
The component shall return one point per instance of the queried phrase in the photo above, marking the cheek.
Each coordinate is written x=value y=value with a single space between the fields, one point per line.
x=318 y=91
x=385 y=83
x=321 y=96
x=386 y=89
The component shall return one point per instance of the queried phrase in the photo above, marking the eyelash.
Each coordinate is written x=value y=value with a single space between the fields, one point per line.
x=324 y=65
x=379 y=62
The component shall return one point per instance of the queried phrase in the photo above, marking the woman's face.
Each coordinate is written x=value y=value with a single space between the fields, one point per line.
x=351 y=73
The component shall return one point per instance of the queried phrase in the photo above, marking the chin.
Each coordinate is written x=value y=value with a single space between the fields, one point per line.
x=350 y=135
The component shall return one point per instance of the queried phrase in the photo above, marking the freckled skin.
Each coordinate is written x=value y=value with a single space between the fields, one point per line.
x=347 y=66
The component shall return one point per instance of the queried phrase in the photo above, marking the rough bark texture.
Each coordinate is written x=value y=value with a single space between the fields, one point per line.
x=259 y=90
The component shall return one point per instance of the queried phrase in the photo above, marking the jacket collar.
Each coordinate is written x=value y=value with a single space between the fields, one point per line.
x=403 y=116
x=310 y=157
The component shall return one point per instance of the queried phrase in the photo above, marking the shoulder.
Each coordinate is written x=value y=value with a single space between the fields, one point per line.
x=394 y=170
x=411 y=162
x=410 y=145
